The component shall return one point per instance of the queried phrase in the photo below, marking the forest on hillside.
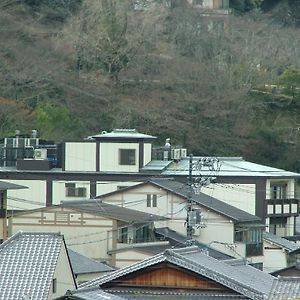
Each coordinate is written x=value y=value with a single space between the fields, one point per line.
x=218 y=84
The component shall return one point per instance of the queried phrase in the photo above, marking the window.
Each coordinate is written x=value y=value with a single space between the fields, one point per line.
x=253 y=239
x=279 y=191
x=151 y=200
x=123 y=235
x=278 y=226
x=54 y=285
x=127 y=157
x=73 y=191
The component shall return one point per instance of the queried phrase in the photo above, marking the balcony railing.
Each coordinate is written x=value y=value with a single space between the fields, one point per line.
x=283 y=207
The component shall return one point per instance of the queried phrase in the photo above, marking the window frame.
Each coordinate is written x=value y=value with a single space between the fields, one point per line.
x=127 y=157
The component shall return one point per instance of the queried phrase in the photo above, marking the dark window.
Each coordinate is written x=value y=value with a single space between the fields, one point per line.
x=143 y=234
x=148 y=200
x=279 y=191
x=54 y=285
x=73 y=191
x=151 y=200
x=127 y=156
x=123 y=235
x=154 y=200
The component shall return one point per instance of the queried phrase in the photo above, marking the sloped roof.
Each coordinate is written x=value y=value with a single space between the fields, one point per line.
x=82 y=264
x=254 y=284
x=122 y=134
x=230 y=166
x=89 y=294
x=285 y=288
x=27 y=264
x=289 y=246
x=11 y=186
x=97 y=207
x=179 y=239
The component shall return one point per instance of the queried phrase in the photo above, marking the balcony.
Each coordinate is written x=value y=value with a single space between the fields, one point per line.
x=282 y=207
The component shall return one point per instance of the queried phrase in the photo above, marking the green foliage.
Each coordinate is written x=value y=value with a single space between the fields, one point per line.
x=245 y=5
x=290 y=80
x=55 y=120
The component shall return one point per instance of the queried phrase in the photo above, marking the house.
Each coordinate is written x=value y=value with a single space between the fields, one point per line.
x=241 y=232
x=279 y=253
x=285 y=288
x=4 y=187
x=90 y=227
x=210 y=4
x=109 y=161
x=35 y=266
x=292 y=271
x=185 y=273
x=266 y=192
x=85 y=268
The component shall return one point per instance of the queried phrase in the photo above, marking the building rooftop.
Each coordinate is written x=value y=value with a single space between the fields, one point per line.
x=285 y=288
x=229 y=166
x=245 y=280
x=11 y=186
x=83 y=265
x=96 y=206
x=289 y=246
x=120 y=134
x=27 y=265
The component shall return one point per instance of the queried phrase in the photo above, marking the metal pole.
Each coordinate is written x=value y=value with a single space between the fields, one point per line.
x=189 y=228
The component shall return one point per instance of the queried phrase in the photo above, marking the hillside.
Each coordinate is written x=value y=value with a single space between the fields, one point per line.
x=77 y=68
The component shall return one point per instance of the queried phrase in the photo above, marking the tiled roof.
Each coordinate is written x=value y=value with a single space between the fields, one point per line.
x=82 y=264
x=177 y=239
x=90 y=294
x=230 y=166
x=289 y=246
x=244 y=280
x=285 y=288
x=27 y=265
x=212 y=203
x=122 y=134
x=96 y=206
x=11 y=186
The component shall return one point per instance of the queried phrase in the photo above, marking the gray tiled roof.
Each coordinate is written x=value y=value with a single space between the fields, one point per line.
x=82 y=264
x=90 y=294
x=212 y=203
x=285 y=288
x=244 y=280
x=230 y=166
x=281 y=242
x=122 y=134
x=27 y=265
x=97 y=207
x=11 y=186
x=176 y=238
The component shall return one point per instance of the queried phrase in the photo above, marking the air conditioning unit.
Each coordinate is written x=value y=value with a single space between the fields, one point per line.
x=183 y=152
x=196 y=231
x=175 y=154
x=40 y=153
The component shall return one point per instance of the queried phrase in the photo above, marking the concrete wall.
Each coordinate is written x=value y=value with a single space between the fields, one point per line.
x=63 y=276
x=241 y=196
x=275 y=258
x=80 y=156
x=109 y=157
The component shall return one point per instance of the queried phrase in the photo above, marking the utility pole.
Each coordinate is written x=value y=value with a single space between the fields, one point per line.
x=189 y=227
x=194 y=216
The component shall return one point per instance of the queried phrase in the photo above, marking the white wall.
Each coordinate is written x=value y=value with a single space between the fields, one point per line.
x=241 y=196
x=104 y=187
x=80 y=156
x=63 y=276
x=275 y=258
x=147 y=153
x=109 y=157
x=31 y=198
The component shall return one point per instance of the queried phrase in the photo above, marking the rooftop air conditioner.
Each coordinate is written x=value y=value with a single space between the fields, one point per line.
x=40 y=154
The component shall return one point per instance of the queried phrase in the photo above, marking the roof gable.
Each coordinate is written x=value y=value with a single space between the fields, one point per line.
x=27 y=264
x=244 y=280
